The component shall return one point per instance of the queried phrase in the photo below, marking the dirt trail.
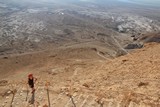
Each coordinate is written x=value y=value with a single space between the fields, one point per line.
x=118 y=44
x=98 y=53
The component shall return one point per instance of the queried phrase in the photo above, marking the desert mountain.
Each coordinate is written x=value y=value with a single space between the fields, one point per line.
x=84 y=53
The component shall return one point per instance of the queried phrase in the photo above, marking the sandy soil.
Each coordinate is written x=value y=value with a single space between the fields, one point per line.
x=127 y=81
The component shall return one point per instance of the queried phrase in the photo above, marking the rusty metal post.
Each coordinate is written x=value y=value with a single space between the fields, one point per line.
x=12 y=98
x=27 y=92
x=74 y=105
x=49 y=103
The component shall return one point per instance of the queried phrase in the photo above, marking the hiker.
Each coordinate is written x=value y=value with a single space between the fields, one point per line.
x=31 y=81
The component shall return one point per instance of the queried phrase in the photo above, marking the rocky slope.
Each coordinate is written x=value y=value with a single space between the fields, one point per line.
x=128 y=81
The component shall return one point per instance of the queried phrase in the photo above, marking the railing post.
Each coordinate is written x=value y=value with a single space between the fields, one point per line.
x=47 y=84
x=74 y=105
x=27 y=91
x=13 y=92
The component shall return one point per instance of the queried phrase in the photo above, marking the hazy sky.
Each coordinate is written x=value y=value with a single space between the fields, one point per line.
x=98 y=1
x=142 y=2
x=145 y=2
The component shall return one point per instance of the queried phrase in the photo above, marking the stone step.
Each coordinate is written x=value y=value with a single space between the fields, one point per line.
x=59 y=100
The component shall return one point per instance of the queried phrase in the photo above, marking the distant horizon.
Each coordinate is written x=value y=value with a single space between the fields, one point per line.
x=144 y=2
x=148 y=2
